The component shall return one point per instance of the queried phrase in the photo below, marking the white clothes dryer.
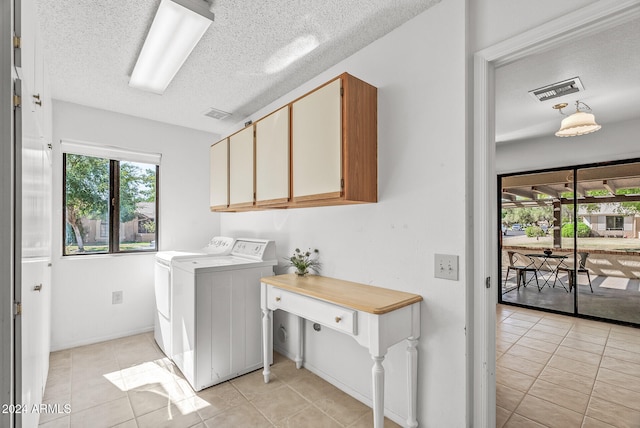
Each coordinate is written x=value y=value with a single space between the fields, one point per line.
x=218 y=246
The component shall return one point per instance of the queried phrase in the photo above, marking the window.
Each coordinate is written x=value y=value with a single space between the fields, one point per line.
x=110 y=205
x=615 y=222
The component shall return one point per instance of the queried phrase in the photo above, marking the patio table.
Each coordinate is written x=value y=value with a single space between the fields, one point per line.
x=547 y=266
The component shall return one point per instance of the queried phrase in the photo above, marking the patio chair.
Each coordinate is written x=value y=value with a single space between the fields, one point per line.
x=572 y=275
x=521 y=265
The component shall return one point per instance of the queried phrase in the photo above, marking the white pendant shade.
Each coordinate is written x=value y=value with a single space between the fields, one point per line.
x=579 y=123
x=174 y=33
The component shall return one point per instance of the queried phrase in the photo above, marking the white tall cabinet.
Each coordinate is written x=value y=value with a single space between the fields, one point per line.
x=33 y=208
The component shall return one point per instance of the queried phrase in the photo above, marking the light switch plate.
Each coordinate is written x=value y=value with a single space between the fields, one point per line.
x=446 y=266
x=116 y=297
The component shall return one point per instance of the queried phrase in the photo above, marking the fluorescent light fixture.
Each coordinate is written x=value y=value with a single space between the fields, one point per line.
x=290 y=53
x=175 y=31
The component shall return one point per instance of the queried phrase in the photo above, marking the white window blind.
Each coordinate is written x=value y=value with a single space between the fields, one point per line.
x=109 y=152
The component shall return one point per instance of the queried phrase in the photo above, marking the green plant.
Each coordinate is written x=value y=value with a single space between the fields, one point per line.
x=584 y=231
x=535 y=231
x=303 y=261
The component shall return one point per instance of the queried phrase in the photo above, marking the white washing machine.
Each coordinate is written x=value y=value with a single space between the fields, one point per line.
x=216 y=318
x=218 y=246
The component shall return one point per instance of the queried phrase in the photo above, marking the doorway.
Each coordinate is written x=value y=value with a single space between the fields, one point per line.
x=592 y=18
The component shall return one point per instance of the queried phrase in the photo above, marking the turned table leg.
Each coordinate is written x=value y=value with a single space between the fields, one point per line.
x=378 y=391
x=412 y=381
x=267 y=333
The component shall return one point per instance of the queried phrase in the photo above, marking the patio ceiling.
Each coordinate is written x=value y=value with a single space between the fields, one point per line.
x=542 y=189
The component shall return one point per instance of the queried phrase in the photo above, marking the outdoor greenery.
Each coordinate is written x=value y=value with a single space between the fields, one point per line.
x=87 y=193
x=532 y=215
x=535 y=232
x=584 y=231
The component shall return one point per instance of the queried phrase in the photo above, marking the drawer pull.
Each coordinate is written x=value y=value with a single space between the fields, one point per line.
x=277 y=299
x=338 y=319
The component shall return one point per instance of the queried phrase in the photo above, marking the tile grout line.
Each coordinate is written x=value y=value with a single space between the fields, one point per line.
x=584 y=417
x=536 y=378
x=513 y=412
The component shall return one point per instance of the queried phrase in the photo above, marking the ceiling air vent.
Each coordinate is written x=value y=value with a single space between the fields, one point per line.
x=216 y=114
x=558 y=89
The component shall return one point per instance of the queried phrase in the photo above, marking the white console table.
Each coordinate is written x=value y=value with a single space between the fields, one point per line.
x=375 y=317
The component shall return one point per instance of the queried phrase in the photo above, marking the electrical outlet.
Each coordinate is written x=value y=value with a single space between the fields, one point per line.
x=116 y=297
x=446 y=267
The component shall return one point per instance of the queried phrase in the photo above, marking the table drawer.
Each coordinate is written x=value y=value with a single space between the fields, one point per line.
x=327 y=314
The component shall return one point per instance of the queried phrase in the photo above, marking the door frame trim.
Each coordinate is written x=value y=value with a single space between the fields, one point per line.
x=586 y=21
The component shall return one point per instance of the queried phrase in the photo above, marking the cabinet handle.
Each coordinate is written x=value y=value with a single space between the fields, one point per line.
x=277 y=299
x=37 y=97
x=37 y=287
x=338 y=319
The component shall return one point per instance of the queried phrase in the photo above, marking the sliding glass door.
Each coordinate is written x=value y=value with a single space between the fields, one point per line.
x=532 y=217
x=570 y=240
x=607 y=267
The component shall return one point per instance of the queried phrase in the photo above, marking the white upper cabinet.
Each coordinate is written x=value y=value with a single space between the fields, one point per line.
x=219 y=175
x=241 y=169
x=272 y=158
x=317 y=143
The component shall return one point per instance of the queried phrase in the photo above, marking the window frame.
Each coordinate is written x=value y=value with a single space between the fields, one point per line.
x=614 y=219
x=113 y=229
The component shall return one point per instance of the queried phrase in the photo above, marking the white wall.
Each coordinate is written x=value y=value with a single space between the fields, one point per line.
x=494 y=21
x=421 y=210
x=616 y=141
x=82 y=285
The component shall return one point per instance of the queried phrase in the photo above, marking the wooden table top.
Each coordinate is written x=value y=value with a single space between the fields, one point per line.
x=361 y=297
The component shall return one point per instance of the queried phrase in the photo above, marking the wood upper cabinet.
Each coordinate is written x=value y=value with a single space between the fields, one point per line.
x=219 y=175
x=321 y=149
x=334 y=144
x=241 y=169
x=272 y=158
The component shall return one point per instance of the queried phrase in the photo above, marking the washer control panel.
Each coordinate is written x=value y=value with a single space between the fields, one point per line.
x=220 y=245
x=257 y=249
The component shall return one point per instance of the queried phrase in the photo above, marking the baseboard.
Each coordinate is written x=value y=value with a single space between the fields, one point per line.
x=92 y=340
x=400 y=420
x=284 y=352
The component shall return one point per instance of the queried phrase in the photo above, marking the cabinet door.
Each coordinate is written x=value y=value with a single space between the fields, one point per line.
x=219 y=175
x=317 y=144
x=241 y=168
x=272 y=158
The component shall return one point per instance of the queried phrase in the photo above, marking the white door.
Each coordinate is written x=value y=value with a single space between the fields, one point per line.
x=219 y=174
x=272 y=158
x=317 y=143
x=241 y=168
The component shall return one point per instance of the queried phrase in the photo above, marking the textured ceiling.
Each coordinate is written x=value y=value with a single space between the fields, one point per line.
x=608 y=64
x=91 y=48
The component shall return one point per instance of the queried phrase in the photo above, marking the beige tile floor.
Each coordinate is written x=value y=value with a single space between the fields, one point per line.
x=129 y=383
x=559 y=371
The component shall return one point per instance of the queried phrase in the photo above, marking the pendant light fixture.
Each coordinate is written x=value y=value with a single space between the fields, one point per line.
x=579 y=123
x=175 y=31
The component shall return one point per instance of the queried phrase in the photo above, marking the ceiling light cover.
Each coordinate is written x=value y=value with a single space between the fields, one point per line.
x=174 y=33
x=579 y=123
